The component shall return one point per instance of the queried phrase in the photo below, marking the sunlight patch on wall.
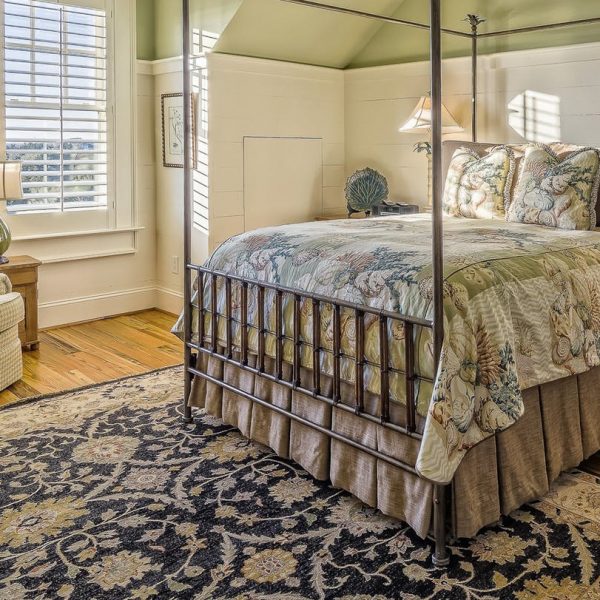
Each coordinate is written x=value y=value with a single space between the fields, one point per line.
x=202 y=42
x=535 y=116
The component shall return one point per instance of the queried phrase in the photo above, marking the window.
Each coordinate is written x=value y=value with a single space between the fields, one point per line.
x=55 y=78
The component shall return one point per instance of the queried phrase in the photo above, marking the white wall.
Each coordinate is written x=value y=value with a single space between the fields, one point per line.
x=561 y=83
x=169 y=202
x=356 y=115
x=247 y=97
x=253 y=97
x=378 y=100
x=169 y=198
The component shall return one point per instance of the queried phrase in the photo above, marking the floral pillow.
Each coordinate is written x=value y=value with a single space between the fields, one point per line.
x=557 y=191
x=479 y=187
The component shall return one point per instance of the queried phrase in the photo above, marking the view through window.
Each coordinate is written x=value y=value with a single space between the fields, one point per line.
x=55 y=79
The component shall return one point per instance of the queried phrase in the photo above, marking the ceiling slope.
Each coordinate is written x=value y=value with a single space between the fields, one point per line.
x=396 y=44
x=288 y=32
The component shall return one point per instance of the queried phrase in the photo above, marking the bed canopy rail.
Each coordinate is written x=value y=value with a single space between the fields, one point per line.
x=192 y=350
x=369 y=15
x=546 y=27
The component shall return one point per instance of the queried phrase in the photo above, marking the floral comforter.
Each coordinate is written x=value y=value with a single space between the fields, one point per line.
x=521 y=304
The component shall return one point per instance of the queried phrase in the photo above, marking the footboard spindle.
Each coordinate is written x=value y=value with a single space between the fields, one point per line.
x=229 y=318
x=244 y=322
x=409 y=374
x=336 y=353
x=316 y=342
x=359 y=360
x=201 y=308
x=261 y=329
x=297 y=342
x=279 y=334
x=384 y=369
x=214 y=315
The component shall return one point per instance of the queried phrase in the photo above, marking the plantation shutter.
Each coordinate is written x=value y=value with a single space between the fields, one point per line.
x=55 y=80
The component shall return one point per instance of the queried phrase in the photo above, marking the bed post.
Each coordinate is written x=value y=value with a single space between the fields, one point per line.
x=440 y=556
x=187 y=210
x=475 y=21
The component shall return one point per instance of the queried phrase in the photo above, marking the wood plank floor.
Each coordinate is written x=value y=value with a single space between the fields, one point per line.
x=79 y=355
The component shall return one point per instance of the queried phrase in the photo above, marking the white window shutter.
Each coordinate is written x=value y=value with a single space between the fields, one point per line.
x=55 y=79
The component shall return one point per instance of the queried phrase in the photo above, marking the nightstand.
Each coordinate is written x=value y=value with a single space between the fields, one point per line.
x=386 y=210
x=23 y=274
x=340 y=216
x=378 y=211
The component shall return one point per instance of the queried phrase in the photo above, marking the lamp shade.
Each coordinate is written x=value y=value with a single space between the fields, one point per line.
x=420 y=118
x=10 y=180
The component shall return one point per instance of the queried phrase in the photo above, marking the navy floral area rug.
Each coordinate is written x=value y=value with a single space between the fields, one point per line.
x=105 y=494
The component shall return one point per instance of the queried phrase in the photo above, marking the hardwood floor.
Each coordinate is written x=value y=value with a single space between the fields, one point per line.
x=79 y=355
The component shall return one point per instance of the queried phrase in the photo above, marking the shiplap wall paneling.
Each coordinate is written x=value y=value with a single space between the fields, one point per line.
x=283 y=181
x=534 y=95
x=378 y=100
x=263 y=98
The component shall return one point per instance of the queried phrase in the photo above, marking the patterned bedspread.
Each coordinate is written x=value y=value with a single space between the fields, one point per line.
x=521 y=304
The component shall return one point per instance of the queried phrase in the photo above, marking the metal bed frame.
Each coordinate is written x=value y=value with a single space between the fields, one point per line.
x=208 y=344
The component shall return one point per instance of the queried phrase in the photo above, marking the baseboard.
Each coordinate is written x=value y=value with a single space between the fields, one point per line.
x=86 y=308
x=169 y=300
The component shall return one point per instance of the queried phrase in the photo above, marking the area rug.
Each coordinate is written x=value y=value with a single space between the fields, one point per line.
x=105 y=494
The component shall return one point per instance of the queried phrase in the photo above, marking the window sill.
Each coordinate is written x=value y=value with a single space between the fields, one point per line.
x=74 y=234
x=78 y=245
x=76 y=257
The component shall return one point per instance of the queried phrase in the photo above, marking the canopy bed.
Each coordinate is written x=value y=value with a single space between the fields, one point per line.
x=326 y=342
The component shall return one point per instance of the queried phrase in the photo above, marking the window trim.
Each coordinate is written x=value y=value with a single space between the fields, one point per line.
x=121 y=210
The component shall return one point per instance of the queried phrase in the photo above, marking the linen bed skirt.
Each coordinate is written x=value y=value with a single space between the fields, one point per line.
x=560 y=428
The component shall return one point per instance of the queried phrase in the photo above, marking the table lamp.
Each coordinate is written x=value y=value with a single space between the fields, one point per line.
x=420 y=120
x=10 y=189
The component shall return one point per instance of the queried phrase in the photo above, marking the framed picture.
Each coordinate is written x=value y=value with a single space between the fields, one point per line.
x=171 y=106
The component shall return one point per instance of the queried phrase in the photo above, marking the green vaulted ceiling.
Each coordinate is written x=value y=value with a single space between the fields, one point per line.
x=159 y=24
x=394 y=43
x=277 y=30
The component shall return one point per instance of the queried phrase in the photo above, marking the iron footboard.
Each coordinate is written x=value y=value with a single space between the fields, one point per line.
x=206 y=302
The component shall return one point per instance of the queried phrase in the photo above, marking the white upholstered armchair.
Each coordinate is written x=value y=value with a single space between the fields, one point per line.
x=12 y=313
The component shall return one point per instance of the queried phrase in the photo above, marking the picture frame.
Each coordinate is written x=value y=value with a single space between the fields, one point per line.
x=171 y=108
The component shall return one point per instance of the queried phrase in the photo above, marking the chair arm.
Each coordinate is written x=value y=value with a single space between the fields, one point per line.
x=5 y=284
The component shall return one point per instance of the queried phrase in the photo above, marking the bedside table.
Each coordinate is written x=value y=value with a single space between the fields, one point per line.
x=386 y=210
x=378 y=211
x=23 y=274
x=340 y=216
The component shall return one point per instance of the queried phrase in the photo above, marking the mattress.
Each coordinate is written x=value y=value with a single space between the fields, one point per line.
x=521 y=308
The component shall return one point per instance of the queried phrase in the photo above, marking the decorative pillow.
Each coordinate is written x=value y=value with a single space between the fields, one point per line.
x=557 y=191
x=561 y=148
x=479 y=187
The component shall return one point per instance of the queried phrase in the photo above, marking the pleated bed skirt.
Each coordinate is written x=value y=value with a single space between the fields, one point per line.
x=560 y=428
